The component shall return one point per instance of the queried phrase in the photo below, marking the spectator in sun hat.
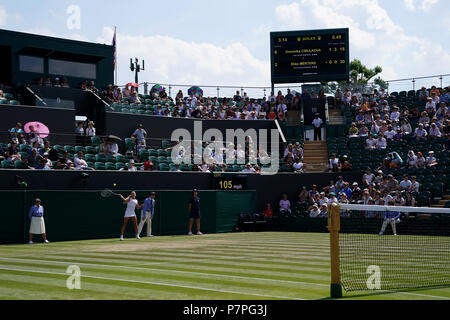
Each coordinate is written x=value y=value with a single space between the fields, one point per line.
x=434 y=131
x=420 y=132
x=90 y=130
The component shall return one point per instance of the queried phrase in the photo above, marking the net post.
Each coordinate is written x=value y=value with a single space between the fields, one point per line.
x=334 y=225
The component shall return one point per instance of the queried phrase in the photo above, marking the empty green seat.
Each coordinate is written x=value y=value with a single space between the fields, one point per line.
x=100 y=166
x=110 y=166
x=7 y=164
x=121 y=158
x=100 y=158
x=96 y=141
x=89 y=157
x=120 y=165
x=79 y=148
x=143 y=155
x=69 y=149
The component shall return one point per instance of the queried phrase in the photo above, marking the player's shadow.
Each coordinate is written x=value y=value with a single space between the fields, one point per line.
x=387 y=292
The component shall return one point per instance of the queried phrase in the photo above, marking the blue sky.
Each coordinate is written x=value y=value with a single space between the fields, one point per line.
x=227 y=42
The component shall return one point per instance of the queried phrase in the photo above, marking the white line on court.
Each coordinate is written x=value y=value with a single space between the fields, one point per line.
x=157 y=283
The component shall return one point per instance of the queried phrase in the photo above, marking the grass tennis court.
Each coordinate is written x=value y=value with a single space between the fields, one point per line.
x=266 y=265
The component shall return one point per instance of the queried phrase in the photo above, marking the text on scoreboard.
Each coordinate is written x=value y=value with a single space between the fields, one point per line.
x=310 y=56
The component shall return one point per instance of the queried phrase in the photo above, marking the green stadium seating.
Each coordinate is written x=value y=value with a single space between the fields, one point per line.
x=7 y=164
x=119 y=165
x=100 y=158
x=96 y=141
x=79 y=148
x=110 y=158
x=121 y=158
x=89 y=157
x=100 y=166
x=18 y=164
x=4 y=101
x=14 y=102
x=69 y=149
x=143 y=155
x=110 y=166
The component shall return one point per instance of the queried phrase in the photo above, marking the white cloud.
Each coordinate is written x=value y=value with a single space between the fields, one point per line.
x=2 y=17
x=290 y=15
x=170 y=60
x=427 y=4
x=446 y=23
x=410 y=5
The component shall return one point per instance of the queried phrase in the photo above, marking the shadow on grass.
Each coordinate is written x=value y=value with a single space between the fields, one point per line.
x=387 y=292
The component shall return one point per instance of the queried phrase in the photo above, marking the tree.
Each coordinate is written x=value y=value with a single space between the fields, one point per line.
x=360 y=74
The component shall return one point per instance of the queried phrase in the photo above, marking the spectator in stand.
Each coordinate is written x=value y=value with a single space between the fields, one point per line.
x=333 y=163
x=91 y=87
x=17 y=134
x=317 y=123
x=79 y=130
x=34 y=136
x=409 y=200
x=356 y=194
x=338 y=98
x=64 y=162
x=368 y=178
x=346 y=190
x=353 y=131
x=112 y=147
x=103 y=148
x=90 y=130
x=431 y=160
x=64 y=83
x=381 y=142
x=248 y=169
x=148 y=166
x=423 y=95
x=285 y=205
x=424 y=119
x=57 y=84
x=79 y=162
x=421 y=161
x=392 y=183
x=434 y=131
x=126 y=93
x=406 y=127
x=298 y=166
x=415 y=185
x=34 y=158
x=371 y=142
x=389 y=133
x=135 y=98
x=420 y=132
x=345 y=164
x=268 y=212
x=405 y=184
x=48 y=82
x=430 y=106
x=117 y=94
x=139 y=135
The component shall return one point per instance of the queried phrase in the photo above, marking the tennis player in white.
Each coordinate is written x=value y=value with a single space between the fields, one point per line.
x=148 y=210
x=132 y=205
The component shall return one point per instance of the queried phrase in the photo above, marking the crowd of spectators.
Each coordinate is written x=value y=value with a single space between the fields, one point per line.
x=380 y=122
x=377 y=189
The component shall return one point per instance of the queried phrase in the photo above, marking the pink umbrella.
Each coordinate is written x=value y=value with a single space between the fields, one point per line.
x=38 y=127
x=133 y=84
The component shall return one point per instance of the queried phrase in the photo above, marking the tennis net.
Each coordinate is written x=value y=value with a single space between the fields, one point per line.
x=408 y=249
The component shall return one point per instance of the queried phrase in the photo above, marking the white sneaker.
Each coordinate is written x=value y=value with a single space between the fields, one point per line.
x=199 y=233
x=46 y=241
x=137 y=237
x=31 y=242
x=150 y=236
x=381 y=233
x=190 y=234
x=121 y=238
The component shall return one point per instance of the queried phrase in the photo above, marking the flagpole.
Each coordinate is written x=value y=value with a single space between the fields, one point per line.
x=115 y=71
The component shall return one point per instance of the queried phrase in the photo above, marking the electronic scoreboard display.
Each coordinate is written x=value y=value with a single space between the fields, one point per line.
x=229 y=181
x=310 y=56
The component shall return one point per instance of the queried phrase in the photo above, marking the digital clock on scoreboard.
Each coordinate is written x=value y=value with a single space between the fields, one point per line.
x=229 y=181
x=310 y=56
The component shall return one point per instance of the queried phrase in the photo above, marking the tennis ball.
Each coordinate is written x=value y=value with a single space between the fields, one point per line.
x=115 y=185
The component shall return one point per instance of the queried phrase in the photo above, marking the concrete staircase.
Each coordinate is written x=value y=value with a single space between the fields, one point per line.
x=335 y=117
x=315 y=156
x=441 y=202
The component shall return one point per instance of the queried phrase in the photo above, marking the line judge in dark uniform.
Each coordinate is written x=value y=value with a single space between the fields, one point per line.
x=194 y=212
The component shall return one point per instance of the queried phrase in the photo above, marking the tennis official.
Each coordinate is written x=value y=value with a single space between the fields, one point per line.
x=194 y=212
x=37 y=225
x=148 y=211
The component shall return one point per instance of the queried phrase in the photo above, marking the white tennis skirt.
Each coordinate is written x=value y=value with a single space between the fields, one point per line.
x=37 y=225
x=129 y=214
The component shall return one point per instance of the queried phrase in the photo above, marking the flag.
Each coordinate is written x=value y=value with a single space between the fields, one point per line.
x=114 y=47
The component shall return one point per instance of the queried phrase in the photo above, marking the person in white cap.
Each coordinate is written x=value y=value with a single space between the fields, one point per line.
x=37 y=225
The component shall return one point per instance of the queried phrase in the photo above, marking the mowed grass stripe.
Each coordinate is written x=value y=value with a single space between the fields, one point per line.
x=237 y=285
x=204 y=272
x=172 y=285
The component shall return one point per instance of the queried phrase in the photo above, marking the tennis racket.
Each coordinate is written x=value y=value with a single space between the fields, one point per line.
x=106 y=193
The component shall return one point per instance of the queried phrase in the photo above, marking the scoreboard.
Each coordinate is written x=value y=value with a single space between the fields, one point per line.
x=310 y=56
